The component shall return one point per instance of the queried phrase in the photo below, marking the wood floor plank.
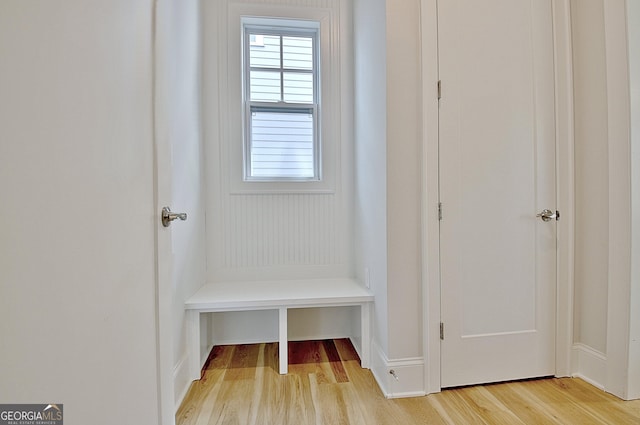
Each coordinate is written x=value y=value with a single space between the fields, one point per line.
x=602 y=407
x=459 y=411
x=559 y=404
x=208 y=405
x=356 y=410
x=421 y=410
x=259 y=385
x=304 y=352
x=335 y=362
x=488 y=407
x=326 y=386
x=232 y=404
x=346 y=350
x=283 y=401
x=434 y=400
x=330 y=404
x=308 y=357
x=525 y=406
x=217 y=364
x=243 y=363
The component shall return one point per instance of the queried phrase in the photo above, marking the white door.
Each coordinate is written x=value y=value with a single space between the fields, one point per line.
x=497 y=171
x=76 y=183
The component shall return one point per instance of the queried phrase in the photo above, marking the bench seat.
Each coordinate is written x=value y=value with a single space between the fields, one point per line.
x=276 y=295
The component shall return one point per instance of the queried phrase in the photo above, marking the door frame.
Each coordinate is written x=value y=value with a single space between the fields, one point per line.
x=430 y=190
x=620 y=377
x=162 y=197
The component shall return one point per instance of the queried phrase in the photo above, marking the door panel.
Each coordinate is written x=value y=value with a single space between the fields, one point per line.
x=497 y=170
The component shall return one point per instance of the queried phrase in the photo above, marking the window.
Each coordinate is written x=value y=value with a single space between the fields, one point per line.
x=281 y=78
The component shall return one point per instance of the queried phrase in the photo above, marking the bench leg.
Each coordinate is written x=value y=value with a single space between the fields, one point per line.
x=365 y=323
x=193 y=343
x=283 y=341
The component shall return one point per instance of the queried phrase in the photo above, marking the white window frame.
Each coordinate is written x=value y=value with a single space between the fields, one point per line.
x=282 y=28
x=226 y=100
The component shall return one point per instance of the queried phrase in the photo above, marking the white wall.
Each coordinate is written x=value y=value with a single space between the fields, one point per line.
x=591 y=174
x=370 y=156
x=404 y=140
x=77 y=290
x=606 y=320
x=633 y=26
x=178 y=125
x=388 y=184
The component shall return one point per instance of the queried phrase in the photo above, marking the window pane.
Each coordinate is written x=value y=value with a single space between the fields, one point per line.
x=265 y=55
x=265 y=86
x=297 y=52
x=256 y=40
x=298 y=87
x=282 y=144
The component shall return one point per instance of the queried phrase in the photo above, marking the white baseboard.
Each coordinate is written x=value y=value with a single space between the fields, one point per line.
x=407 y=379
x=245 y=341
x=589 y=365
x=204 y=355
x=181 y=382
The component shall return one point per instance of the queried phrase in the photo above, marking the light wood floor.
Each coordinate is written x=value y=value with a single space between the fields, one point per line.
x=326 y=385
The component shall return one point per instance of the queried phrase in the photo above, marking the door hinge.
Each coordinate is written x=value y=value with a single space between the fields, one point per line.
x=439 y=89
x=442 y=331
x=439 y=211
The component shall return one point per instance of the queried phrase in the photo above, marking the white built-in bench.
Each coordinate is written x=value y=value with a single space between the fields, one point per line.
x=281 y=296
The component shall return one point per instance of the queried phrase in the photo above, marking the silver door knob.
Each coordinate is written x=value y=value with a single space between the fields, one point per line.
x=168 y=216
x=548 y=215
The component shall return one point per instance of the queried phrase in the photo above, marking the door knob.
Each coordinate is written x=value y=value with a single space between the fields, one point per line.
x=168 y=216
x=548 y=215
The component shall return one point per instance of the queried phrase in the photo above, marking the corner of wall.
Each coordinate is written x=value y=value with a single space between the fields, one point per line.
x=589 y=365
x=633 y=27
x=398 y=378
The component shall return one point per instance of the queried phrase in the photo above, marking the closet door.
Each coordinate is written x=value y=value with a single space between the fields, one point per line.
x=497 y=172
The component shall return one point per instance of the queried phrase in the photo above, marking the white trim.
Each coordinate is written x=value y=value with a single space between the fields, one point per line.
x=281 y=27
x=180 y=374
x=379 y=367
x=271 y=339
x=565 y=200
x=162 y=196
x=408 y=373
x=589 y=365
x=430 y=192
x=619 y=154
x=633 y=27
x=430 y=196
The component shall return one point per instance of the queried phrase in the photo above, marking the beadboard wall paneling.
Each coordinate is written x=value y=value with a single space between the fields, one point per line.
x=280 y=230
x=275 y=234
